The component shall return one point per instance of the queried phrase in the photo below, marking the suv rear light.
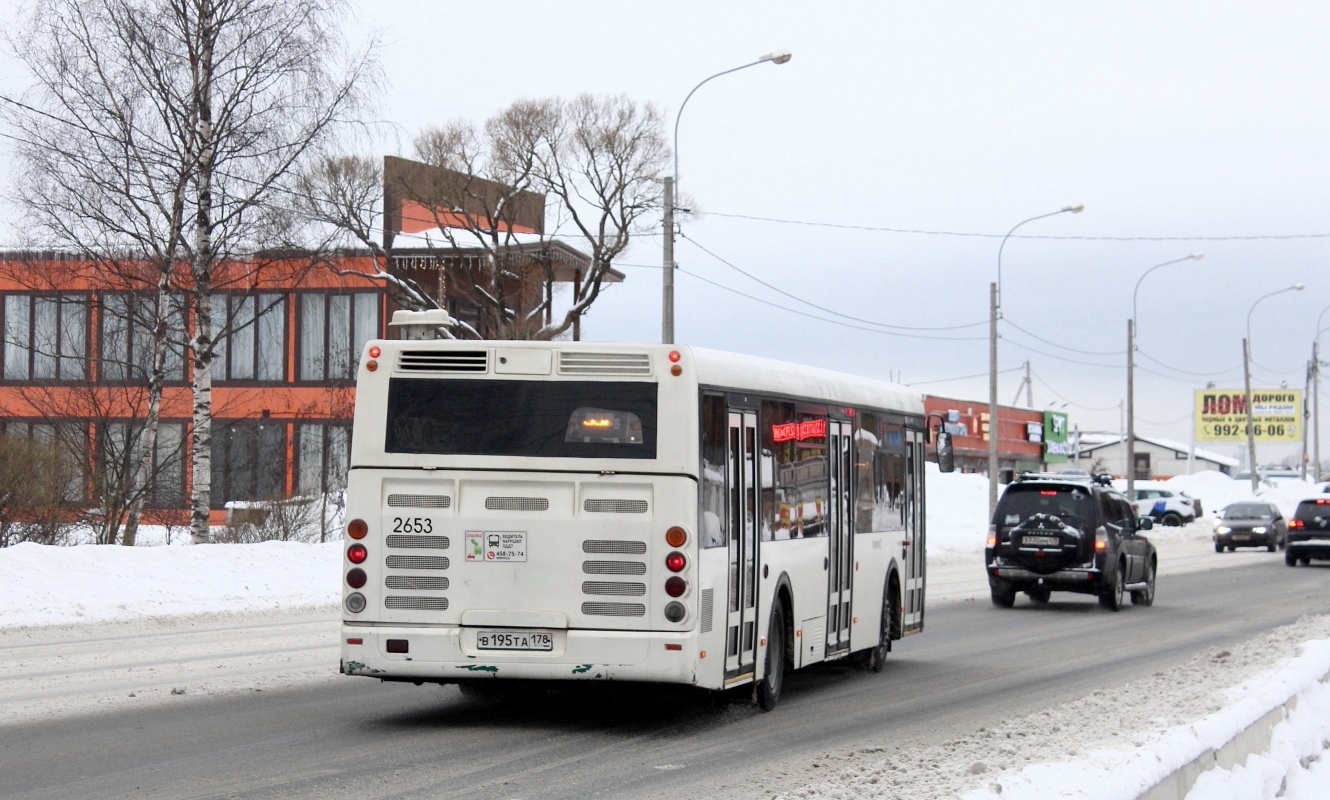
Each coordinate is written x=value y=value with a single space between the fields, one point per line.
x=1100 y=540
x=1296 y=523
x=991 y=541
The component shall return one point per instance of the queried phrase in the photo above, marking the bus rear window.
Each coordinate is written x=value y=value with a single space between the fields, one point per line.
x=541 y=419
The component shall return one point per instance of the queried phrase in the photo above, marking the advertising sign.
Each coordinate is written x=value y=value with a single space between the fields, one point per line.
x=1056 y=447
x=1221 y=415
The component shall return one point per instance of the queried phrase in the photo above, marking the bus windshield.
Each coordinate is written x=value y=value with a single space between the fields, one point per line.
x=545 y=419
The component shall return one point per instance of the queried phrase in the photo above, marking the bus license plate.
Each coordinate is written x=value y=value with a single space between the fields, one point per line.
x=1041 y=541
x=541 y=641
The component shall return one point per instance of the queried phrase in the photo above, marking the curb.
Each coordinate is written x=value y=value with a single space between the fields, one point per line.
x=1255 y=738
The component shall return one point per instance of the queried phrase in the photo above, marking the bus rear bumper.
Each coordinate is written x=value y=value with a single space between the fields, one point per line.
x=449 y=654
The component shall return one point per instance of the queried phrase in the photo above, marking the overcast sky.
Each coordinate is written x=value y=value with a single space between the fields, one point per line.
x=874 y=175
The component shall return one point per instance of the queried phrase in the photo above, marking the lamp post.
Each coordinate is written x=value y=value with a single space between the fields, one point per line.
x=671 y=186
x=1131 y=371
x=994 y=303
x=1246 y=379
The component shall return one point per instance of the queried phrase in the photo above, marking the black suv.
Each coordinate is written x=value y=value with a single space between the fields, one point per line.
x=1308 y=534
x=1054 y=532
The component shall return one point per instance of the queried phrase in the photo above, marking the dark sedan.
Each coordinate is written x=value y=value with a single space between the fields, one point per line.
x=1250 y=524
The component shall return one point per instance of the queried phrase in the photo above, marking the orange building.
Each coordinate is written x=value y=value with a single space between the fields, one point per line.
x=1020 y=435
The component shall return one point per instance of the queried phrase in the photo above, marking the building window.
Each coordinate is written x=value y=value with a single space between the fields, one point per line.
x=45 y=337
x=68 y=443
x=248 y=461
x=333 y=329
x=323 y=456
x=126 y=341
x=251 y=337
x=118 y=447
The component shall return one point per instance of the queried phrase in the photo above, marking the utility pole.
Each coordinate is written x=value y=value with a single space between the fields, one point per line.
x=1129 y=443
x=992 y=399
x=1306 y=412
x=1316 y=406
x=667 y=279
x=1029 y=387
x=1251 y=432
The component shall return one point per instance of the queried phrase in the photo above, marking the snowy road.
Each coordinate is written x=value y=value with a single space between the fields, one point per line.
x=937 y=723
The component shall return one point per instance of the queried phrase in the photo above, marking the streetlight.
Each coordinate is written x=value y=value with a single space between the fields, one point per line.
x=1246 y=379
x=1131 y=371
x=667 y=281
x=994 y=297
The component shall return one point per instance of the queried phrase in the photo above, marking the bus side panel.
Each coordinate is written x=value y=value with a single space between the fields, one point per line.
x=803 y=562
x=873 y=555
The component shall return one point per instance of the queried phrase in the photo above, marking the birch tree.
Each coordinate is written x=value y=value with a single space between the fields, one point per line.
x=173 y=129
x=597 y=163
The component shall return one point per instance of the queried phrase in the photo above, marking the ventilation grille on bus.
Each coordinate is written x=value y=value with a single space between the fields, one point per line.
x=610 y=546
x=418 y=542
x=614 y=609
x=443 y=361
x=517 y=503
x=417 y=562
x=416 y=603
x=614 y=588
x=420 y=500
x=417 y=582
x=604 y=363
x=708 y=605
x=614 y=568
x=615 y=506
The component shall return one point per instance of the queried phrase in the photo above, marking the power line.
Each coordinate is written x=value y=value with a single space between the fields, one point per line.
x=1068 y=400
x=831 y=321
x=1063 y=346
x=969 y=234
x=963 y=377
x=805 y=301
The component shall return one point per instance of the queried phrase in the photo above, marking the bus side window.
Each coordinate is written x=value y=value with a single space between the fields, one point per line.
x=711 y=522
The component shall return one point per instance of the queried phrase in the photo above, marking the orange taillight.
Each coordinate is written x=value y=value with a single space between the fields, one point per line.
x=676 y=536
x=357 y=528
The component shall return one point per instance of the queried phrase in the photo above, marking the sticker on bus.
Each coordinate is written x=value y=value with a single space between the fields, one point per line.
x=496 y=545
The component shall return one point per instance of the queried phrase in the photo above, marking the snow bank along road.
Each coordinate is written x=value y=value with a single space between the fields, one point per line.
x=59 y=671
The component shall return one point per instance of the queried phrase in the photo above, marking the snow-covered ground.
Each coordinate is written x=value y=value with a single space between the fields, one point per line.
x=88 y=594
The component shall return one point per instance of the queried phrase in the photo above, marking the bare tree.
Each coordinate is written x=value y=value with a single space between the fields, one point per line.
x=598 y=161
x=174 y=128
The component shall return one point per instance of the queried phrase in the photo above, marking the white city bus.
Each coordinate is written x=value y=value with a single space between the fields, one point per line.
x=524 y=512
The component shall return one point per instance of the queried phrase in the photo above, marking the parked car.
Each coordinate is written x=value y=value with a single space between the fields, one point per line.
x=1053 y=532
x=1308 y=532
x=1254 y=523
x=1164 y=505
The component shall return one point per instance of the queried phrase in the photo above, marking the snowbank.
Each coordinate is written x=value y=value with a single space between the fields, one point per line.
x=59 y=585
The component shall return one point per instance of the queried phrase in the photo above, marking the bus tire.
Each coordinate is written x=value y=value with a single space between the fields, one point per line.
x=773 y=679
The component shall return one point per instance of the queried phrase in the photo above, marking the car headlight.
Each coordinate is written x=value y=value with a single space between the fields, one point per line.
x=1222 y=529
x=1259 y=529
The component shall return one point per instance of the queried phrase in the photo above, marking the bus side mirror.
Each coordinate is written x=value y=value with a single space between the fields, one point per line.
x=946 y=459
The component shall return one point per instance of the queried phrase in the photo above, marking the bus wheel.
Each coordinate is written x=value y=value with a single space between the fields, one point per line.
x=768 y=691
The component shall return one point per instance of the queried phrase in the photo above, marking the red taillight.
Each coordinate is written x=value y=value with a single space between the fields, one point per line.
x=357 y=529
x=676 y=586
x=675 y=562
x=374 y=351
x=356 y=578
x=1296 y=523
x=357 y=554
x=1323 y=502
x=675 y=355
x=676 y=536
x=1100 y=542
x=1048 y=492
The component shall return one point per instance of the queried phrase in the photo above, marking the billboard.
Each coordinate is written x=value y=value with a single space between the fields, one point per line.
x=1221 y=415
x=1056 y=446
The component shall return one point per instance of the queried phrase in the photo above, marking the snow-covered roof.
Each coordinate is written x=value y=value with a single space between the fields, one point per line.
x=1095 y=441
